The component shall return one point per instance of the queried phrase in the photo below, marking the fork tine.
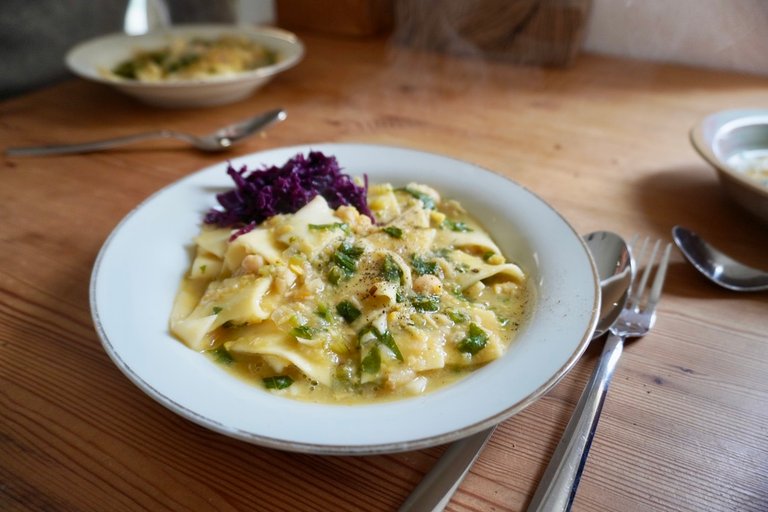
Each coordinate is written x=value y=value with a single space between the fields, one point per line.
x=646 y=273
x=658 y=281
x=637 y=254
x=637 y=290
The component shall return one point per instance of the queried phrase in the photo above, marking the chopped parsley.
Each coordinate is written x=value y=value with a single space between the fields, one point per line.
x=457 y=316
x=393 y=231
x=391 y=271
x=347 y=311
x=422 y=266
x=303 y=331
x=323 y=312
x=344 y=259
x=426 y=303
x=222 y=355
x=217 y=310
x=455 y=225
x=474 y=341
x=425 y=199
x=385 y=338
x=388 y=341
x=371 y=363
x=328 y=227
x=277 y=382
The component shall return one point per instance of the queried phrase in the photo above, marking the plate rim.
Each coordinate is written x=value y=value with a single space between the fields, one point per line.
x=324 y=448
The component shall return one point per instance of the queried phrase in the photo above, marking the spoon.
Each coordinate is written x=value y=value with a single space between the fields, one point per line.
x=716 y=266
x=221 y=139
x=615 y=268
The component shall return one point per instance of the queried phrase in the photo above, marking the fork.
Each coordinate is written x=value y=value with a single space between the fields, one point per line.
x=558 y=485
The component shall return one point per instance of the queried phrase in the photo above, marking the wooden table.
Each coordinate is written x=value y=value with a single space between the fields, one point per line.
x=685 y=425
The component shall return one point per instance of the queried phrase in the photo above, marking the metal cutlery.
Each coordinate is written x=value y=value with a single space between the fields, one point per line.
x=615 y=269
x=219 y=140
x=716 y=266
x=557 y=488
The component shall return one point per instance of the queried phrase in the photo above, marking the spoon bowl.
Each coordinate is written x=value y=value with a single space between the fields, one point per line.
x=615 y=268
x=716 y=266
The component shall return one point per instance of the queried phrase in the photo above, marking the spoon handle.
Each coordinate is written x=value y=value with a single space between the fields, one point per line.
x=87 y=147
x=438 y=486
x=557 y=487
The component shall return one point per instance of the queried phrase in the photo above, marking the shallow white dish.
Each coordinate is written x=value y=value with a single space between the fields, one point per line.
x=91 y=58
x=732 y=141
x=138 y=270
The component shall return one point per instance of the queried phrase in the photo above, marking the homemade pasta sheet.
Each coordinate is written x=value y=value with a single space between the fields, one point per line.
x=327 y=305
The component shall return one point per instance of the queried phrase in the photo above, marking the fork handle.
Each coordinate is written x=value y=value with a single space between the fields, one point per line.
x=87 y=147
x=557 y=487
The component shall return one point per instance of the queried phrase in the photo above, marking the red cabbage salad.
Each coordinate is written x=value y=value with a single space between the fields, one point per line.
x=262 y=193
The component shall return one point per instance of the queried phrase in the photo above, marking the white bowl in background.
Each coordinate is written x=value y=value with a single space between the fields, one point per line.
x=94 y=59
x=733 y=142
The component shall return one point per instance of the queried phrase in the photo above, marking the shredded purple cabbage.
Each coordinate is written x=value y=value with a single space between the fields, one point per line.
x=260 y=194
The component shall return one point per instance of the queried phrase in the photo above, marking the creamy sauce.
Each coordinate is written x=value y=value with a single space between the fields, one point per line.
x=322 y=305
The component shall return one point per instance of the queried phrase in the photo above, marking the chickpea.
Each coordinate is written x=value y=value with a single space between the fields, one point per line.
x=252 y=263
x=427 y=285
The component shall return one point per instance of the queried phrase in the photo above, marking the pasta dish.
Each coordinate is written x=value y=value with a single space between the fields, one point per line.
x=332 y=305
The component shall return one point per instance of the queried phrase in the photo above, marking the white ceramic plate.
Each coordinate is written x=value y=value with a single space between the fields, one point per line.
x=138 y=270
x=91 y=58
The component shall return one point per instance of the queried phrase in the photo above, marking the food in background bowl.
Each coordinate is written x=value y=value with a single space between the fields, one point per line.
x=753 y=163
x=175 y=72
x=195 y=58
x=296 y=288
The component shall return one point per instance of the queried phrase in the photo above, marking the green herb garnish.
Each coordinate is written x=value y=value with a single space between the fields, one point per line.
x=323 y=312
x=474 y=341
x=345 y=259
x=371 y=363
x=346 y=263
x=393 y=231
x=335 y=275
x=327 y=227
x=458 y=292
x=425 y=199
x=277 y=382
x=388 y=341
x=385 y=338
x=221 y=355
x=422 y=266
x=391 y=271
x=457 y=316
x=304 y=332
x=347 y=311
x=488 y=255
x=426 y=303
x=455 y=225
x=217 y=310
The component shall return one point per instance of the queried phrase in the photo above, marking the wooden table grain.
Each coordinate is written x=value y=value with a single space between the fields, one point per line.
x=685 y=424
